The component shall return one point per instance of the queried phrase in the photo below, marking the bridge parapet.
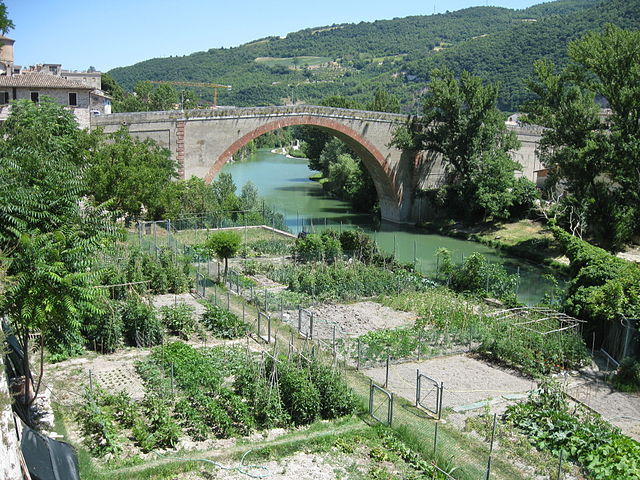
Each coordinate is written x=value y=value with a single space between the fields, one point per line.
x=248 y=112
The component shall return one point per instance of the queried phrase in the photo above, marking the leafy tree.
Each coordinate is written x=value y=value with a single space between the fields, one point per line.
x=42 y=155
x=594 y=158
x=51 y=235
x=5 y=23
x=224 y=190
x=461 y=123
x=131 y=174
x=249 y=197
x=224 y=245
x=188 y=197
x=383 y=101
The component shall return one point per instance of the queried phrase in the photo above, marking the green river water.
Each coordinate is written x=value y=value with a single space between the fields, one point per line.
x=284 y=184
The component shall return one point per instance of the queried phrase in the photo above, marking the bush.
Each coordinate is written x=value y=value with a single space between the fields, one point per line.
x=627 y=377
x=223 y=323
x=359 y=245
x=103 y=331
x=337 y=399
x=166 y=274
x=477 y=276
x=301 y=397
x=141 y=325
x=603 y=287
x=597 y=446
x=98 y=425
x=179 y=319
x=318 y=247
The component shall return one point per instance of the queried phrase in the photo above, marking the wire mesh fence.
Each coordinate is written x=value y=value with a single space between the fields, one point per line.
x=286 y=326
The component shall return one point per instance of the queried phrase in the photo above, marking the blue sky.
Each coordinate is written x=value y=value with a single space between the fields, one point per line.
x=80 y=33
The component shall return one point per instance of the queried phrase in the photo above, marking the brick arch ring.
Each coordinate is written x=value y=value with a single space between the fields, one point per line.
x=374 y=161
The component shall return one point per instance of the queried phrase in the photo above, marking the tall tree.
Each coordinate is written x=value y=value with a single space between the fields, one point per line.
x=461 y=123
x=384 y=101
x=5 y=23
x=594 y=154
x=48 y=231
x=130 y=174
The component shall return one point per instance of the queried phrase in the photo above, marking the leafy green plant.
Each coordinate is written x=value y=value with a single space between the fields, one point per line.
x=550 y=425
x=179 y=319
x=223 y=323
x=627 y=377
x=103 y=330
x=300 y=396
x=141 y=325
x=98 y=425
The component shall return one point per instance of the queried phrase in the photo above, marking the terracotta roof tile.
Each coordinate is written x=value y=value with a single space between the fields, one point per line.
x=38 y=80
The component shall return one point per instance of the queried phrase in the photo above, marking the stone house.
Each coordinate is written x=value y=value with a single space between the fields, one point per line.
x=79 y=91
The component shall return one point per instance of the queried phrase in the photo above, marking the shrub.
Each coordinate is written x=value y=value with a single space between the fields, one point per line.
x=477 y=276
x=301 y=397
x=603 y=288
x=223 y=323
x=550 y=425
x=179 y=319
x=141 y=325
x=337 y=400
x=103 y=331
x=98 y=425
x=315 y=247
x=627 y=377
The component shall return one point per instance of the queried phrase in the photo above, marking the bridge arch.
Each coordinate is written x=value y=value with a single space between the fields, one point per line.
x=389 y=194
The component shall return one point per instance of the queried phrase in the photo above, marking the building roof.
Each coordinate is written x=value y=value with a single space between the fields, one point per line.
x=39 y=80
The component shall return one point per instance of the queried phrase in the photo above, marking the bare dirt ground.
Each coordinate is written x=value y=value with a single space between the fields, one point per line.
x=171 y=299
x=352 y=320
x=632 y=253
x=300 y=466
x=619 y=408
x=466 y=380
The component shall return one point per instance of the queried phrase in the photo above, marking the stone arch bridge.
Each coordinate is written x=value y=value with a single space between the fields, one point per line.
x=202 y=141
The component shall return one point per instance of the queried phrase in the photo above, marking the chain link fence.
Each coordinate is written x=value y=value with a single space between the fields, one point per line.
x=284 y=325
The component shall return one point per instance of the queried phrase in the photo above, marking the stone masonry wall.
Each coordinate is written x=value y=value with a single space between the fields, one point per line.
x=9 y=460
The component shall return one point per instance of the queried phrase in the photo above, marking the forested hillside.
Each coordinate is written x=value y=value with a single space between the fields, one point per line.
x=396 y=55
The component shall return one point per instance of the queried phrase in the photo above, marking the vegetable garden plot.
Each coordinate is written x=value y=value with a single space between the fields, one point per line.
x=213 y=392
x=466 y=380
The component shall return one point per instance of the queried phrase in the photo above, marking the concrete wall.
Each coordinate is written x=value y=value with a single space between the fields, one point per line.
x=9 y=444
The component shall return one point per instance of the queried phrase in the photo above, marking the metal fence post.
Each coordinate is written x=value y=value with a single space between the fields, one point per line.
x=386 y=374
x=560 y=465
x=493 y=434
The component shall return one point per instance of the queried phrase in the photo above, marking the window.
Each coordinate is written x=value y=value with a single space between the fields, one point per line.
x=35 y=97
x=4 y=98
x=73 y=99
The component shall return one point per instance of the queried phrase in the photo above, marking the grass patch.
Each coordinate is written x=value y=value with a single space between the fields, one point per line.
x=525 y=239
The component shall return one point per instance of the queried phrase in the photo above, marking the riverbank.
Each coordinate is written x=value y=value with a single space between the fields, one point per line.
x=525 y=239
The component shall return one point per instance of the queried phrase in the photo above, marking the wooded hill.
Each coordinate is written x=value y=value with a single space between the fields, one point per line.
x=353 y=60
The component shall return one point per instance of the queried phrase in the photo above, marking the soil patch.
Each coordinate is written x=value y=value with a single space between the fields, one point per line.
x=352 y=320
x=619 y=408
x=466 y=381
